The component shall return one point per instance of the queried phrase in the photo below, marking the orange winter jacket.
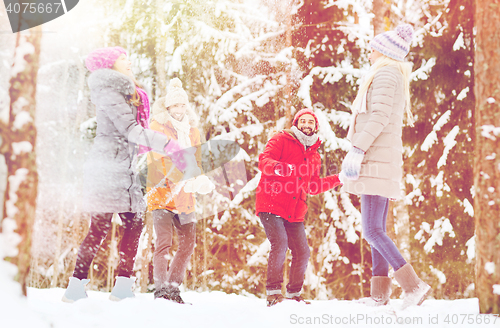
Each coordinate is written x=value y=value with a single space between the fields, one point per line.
x=160 y=166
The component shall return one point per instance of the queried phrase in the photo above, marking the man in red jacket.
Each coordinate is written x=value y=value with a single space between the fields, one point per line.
x=290 y=167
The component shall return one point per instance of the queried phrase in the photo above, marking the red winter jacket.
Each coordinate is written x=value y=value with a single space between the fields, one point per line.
x=286 y=196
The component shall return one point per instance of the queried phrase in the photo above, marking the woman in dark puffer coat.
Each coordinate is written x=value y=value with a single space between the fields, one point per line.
x=110 y=181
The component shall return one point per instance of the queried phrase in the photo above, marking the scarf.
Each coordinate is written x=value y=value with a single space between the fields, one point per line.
x=143 y=110
x=182 y=128
x=304 y=139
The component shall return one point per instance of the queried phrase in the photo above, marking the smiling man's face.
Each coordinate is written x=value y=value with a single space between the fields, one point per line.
x=307 y=124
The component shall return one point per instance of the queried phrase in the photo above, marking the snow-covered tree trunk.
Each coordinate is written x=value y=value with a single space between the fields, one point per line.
x=160 y=51
x=288 y=88
x=486 y=162
x=18 y=139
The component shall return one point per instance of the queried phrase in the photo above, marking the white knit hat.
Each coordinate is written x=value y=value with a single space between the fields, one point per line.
x=394 y=44
x=176 y=94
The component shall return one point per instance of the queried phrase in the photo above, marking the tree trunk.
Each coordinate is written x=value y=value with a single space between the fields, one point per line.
x=486 y=162
x=288 y=87
x=147 y=252
x=381 y=20
x=18 y=139
x=160 y=52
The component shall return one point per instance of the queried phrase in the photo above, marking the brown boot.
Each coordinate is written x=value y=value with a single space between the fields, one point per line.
x=274 y=299
x=414 y=288
x=380 y=292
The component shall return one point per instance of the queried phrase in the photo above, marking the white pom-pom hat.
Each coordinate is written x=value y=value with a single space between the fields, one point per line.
x=176 y=94
x=394 y=44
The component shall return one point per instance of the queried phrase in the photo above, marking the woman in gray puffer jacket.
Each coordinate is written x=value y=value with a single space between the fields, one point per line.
x=111 y=184
x=373 y=167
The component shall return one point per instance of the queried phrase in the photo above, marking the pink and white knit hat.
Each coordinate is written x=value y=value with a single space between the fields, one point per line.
x=394 y=44
x=103 y=58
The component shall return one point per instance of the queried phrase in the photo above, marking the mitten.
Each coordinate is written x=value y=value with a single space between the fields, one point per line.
x=201 y=184
x=205 y=186
x=352 y=163
x=283 y=169
x=191 y=186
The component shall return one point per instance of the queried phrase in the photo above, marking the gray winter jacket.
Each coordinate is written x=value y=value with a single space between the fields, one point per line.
x=378 y=133
x=111 y=184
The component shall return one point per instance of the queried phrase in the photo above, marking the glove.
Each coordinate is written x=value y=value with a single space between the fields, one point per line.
x=352 y=163
x=191 y=186
x=183 y=158
x=201 y=185
x=283 y=169
x=342 y=177
x=174 y=151
x=205 y=186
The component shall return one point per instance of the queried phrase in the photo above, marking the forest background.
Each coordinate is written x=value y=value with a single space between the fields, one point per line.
x=247 y=67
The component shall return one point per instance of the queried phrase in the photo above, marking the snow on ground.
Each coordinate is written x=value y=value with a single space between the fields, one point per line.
x=44 y=308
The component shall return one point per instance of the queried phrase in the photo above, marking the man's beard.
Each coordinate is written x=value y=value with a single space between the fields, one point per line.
x=307 y=131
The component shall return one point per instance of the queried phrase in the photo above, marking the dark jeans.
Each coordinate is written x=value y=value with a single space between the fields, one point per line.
x=283 y=235
x=374 y=211
x=164 y=223
x=100 y=226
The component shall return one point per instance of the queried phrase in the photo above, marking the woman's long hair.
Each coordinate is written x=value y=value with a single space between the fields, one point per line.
x=135 y=98
x=405 y=69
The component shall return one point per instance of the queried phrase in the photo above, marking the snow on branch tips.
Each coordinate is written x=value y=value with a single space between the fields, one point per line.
x=422 y=73
x=24 y=48
x=449 y=143
x=432 y=137
x=441 y=226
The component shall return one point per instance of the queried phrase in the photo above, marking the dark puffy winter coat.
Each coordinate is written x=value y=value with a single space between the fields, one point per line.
x=111 y=184
x=286 y=196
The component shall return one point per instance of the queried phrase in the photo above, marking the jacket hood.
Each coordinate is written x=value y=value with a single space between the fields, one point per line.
x=109 y=78
x=160 y=114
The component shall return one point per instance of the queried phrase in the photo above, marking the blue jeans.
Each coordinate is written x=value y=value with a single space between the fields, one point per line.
x=283 y=235
x=374 y=211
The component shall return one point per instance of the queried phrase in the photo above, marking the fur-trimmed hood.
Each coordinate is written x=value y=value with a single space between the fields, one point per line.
x=160 y=114
x=109 y=78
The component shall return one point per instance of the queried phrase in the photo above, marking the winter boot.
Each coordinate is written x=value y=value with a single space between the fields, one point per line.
x=380 y=292
x=298 y=298
x=274 y=299
x=122 y=289
x=415 y=290
x=75 y=290
x=171 y=295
